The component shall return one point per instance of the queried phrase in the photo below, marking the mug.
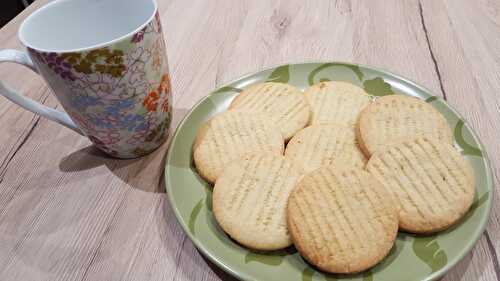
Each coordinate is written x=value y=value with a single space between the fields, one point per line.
x=106 y=63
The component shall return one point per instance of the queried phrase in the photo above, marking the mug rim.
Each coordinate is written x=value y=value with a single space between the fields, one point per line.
x=89 y=48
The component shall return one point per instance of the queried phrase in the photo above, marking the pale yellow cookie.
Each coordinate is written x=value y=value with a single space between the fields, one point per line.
x=395 y=118
x=285 y=105
x=231 y=135
x=432 y=181
x=322 y=145
x=250 y=197
x=342 y=221
x=336 y=102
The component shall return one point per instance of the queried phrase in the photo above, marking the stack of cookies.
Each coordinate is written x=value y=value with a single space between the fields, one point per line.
x=331 y=170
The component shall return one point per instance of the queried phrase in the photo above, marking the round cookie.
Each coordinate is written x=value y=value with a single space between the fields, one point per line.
x=336 y=102
x=395 y=118
x=285 y=105
x=250 y=197
x=432 y=181
x=230 y=135
x=322 y=145
x=342 y=221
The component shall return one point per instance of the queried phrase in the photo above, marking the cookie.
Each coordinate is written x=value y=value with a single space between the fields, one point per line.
x=230 y=135
x=395 y=118
x=322 y=145
x=249 y=200
x=432 y=181
x=285 y=105
x=342 y=221
x=336 y=102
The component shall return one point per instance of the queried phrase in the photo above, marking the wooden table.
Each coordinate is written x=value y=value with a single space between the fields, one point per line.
x=69 y=213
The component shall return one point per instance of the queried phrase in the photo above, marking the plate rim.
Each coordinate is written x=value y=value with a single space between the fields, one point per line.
x=484 y=221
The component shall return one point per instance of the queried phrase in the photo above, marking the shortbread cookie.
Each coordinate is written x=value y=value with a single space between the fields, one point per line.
x=395 y=118
x=342 y=221
x=231 y=135
x=322 y=145
x=250 y=197
x=336 y=102
x=432 y=181
x=285 y=105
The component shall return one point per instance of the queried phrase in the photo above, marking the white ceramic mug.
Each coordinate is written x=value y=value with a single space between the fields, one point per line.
x=106 y=62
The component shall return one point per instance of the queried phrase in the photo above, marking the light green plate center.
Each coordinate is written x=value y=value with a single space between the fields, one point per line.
x=412 y=258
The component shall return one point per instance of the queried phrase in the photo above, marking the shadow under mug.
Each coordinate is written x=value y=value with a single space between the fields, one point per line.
x=106 y=62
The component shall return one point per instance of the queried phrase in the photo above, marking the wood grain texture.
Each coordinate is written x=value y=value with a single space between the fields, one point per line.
x=67 y=212
x=462 y=36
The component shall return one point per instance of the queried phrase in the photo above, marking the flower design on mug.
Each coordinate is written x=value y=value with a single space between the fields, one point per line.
x=119 y=94
x=103 y=60
x=157 y=55
x=165 y=107
x=151 y=101
x=164 y=84
x=68 y=65
x=56 y=63
x=157 y=24
x=139 y=35
x=158 y=131
x=165 y=89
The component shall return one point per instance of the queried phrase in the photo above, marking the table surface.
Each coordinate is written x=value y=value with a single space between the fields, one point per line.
x=69 y=213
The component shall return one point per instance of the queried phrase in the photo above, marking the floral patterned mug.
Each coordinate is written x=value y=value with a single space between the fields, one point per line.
x=106 y=63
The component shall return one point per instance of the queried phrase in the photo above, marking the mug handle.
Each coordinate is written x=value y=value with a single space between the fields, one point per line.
x=22 y=58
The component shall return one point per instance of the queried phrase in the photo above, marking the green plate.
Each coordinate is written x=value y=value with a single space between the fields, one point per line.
x=412 y=258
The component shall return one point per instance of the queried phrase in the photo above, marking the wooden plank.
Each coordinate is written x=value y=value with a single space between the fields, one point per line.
x=123 y=230
x=16 y=124
x=67 y=212
x=160 y=251
x=464 y=37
